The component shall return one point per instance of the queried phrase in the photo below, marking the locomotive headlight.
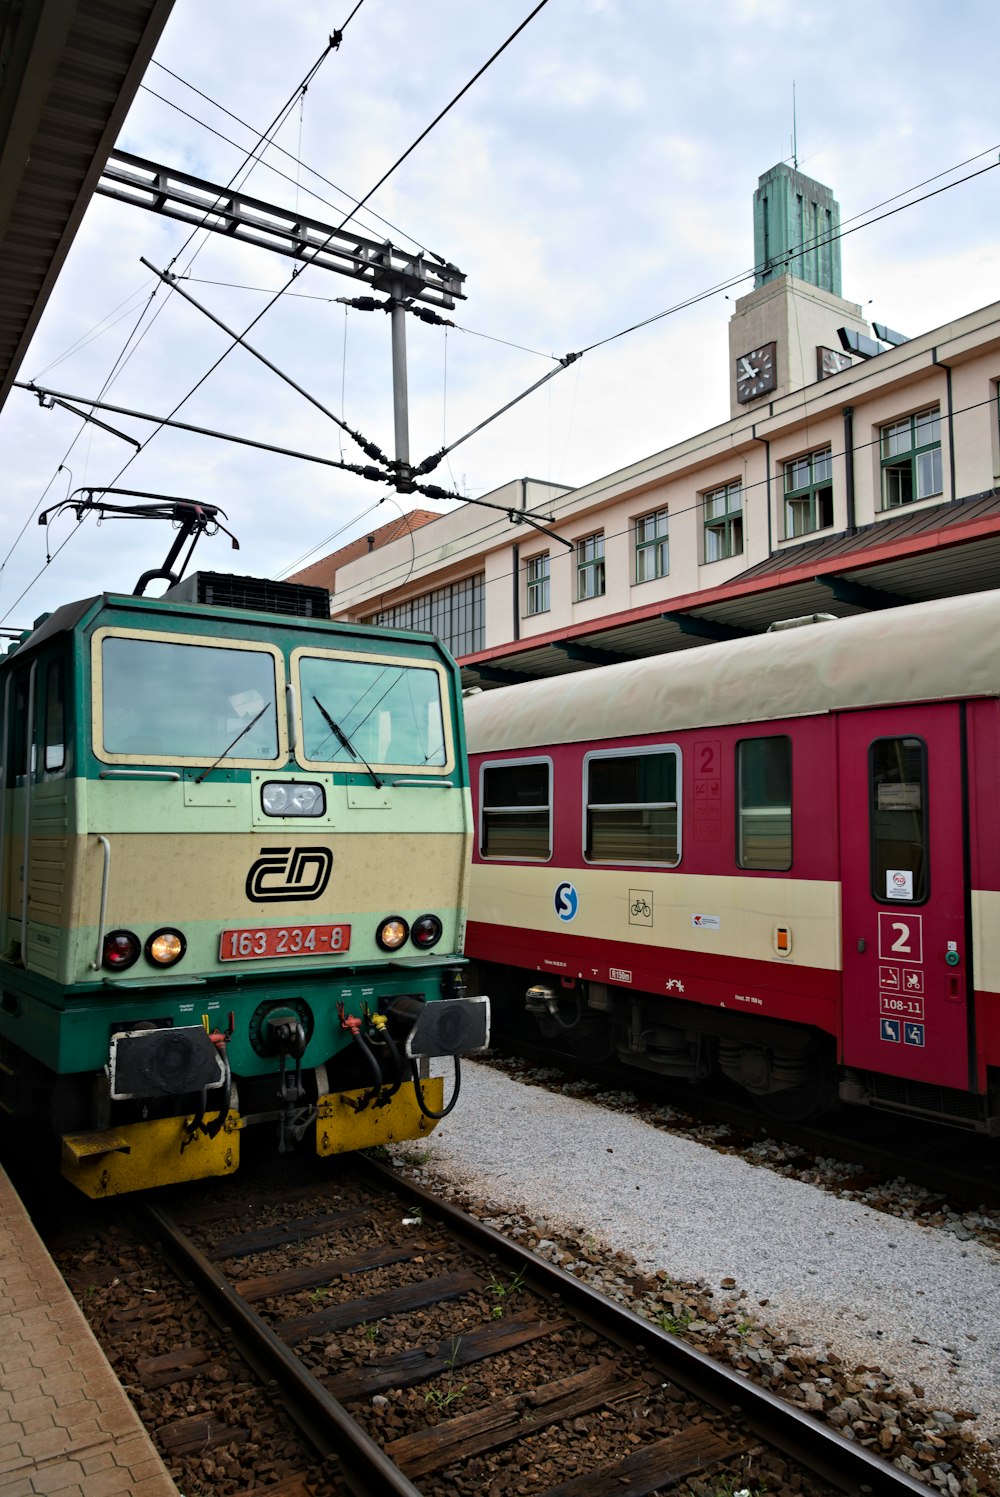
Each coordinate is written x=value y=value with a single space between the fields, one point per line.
x=292 y=798
x=426 y=931
x=392 y=933
x=165 y=947
x=121 y=949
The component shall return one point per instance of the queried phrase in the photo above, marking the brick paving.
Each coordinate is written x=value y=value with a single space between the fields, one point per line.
x=66 y=1427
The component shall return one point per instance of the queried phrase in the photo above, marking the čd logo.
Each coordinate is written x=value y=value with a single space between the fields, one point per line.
x=289 y=873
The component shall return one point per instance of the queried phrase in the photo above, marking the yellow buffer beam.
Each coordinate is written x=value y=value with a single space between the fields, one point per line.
x=141 y=1156
x=339 y=1129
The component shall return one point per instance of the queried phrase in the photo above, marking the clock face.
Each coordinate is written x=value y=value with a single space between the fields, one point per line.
x=756 y=372
x=831 y=361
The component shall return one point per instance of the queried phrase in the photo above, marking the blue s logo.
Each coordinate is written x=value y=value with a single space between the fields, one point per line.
x=566 y=901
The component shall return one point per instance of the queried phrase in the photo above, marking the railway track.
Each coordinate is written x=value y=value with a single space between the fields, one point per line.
x=420 y=1352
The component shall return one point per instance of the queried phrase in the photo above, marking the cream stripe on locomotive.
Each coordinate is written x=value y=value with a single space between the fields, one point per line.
x=612 y=906
x=198 y=882
x=203 y=877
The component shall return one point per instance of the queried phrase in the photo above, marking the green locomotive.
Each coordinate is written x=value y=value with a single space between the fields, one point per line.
x=235 y=849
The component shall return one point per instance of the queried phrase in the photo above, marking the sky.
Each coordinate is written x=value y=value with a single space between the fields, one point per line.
x=599 y=173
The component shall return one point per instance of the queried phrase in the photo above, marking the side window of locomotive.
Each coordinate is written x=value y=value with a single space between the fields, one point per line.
x=163 y=699
x=19 y=735
x=631 y=804
x=55 y=716
x=898 y=819
x=515 y=817
x=764 y=803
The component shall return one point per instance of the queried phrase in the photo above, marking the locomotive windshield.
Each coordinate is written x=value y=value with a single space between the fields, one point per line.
x=384 y=712
x=187 y=701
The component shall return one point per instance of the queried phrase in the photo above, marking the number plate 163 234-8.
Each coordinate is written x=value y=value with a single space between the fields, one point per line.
x=256 y=943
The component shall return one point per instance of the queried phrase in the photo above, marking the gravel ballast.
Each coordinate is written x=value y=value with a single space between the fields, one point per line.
x=829 y=1275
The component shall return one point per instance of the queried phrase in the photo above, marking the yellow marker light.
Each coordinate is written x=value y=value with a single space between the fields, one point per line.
x=165 y=947
x=392 y=933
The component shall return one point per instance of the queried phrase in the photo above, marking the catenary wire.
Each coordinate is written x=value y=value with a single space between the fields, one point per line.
x=269 y=166
x=312 y=296
x=656 y=317
x=318 y=248
x=673 y=510
x=124 y=356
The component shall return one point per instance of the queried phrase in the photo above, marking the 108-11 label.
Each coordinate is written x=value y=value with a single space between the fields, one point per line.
x=257 y=943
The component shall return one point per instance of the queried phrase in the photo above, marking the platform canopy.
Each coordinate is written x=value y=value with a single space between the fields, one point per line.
x=69 y=70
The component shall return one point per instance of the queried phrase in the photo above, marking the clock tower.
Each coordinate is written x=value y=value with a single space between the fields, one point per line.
x=783 y=334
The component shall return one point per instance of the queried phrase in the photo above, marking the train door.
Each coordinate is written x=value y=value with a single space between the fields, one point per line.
x=906 y=949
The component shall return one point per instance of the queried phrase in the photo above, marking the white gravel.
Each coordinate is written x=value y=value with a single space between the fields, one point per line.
x=916 y=1301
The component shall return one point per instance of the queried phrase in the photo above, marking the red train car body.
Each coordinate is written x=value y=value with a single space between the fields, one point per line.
x=778 y=857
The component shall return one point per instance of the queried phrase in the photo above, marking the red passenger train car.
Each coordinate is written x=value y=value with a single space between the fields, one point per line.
x=777 y=857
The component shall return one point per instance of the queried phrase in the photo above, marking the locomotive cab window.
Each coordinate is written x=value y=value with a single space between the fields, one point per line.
x=631 y=807
x=515 y=819
x=898 y=819
x=169 y=699
x=764 y=803
x=373 y=711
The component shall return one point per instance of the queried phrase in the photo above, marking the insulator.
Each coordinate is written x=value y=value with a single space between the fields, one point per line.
x=369 y=448
x=426 y=314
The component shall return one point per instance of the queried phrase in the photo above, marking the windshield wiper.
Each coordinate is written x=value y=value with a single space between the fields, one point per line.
x=346 y=742
x=228 y=750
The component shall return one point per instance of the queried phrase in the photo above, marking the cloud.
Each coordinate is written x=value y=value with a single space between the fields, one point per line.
x=601 y=171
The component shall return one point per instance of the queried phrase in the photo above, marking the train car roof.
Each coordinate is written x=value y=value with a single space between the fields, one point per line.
x=69 y=615
x=933 y=651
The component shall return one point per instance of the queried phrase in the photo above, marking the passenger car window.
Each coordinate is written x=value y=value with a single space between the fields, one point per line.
x=764 y=803
x=632 y=813
x=515 y=819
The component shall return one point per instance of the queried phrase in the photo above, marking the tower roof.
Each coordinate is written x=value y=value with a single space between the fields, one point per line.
x=796 y=221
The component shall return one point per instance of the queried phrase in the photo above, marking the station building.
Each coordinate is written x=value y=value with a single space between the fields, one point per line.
x=858 y=470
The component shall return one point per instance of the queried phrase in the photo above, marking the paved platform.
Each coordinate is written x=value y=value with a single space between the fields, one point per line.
x=66 y=1427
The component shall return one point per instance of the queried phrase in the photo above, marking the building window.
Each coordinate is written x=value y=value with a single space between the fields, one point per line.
x=652 y=547
x=537 y=572
x=911 y=458
x=809 y=493
x=453 y=613
x=631 y=803
x=764 y=803
x=590 y=567
x=724 y=522
x=515 y=819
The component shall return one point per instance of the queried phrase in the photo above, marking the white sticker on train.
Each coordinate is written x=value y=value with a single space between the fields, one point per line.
x=707 y=922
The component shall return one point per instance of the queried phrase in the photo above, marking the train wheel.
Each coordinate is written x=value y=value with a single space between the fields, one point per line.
x=593 y=1039
x=797 y=1103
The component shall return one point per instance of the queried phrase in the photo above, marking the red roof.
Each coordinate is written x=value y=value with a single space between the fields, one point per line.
x=324 y=573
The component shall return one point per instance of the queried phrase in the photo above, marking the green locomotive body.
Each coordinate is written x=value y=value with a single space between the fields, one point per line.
x=235 y=844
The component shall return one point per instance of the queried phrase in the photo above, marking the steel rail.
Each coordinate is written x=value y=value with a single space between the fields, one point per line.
x=841 y=1462
x=324 y=1422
